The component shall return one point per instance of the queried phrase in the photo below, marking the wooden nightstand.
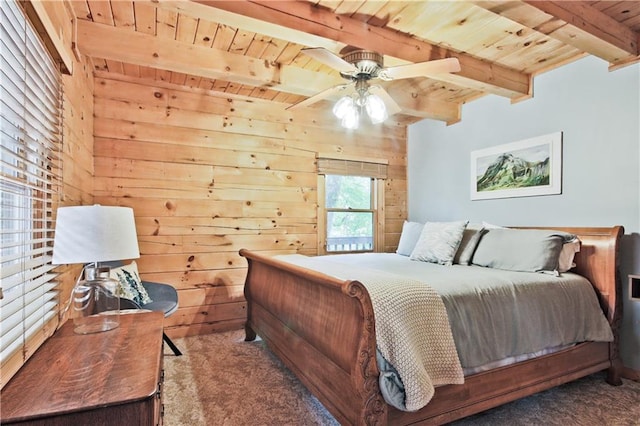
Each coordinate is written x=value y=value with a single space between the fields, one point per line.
x=114 y=377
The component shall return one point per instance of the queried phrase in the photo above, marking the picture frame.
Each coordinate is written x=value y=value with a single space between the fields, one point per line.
x=525 y=168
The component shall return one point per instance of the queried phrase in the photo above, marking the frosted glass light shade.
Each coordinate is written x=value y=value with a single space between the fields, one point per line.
x=348 y=109
x=351 y=119
x=343 y=107
x=376 y=109
x=86 y=234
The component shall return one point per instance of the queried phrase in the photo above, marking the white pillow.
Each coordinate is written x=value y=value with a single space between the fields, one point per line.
x=409 y=237
x=439 y=242
x=130 y=286
x=568 y=252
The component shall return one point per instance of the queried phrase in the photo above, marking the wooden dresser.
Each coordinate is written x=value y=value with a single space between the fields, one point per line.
x=109 y=378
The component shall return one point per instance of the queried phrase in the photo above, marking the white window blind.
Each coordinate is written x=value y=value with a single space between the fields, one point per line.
x=334 y=166
x=30 y=178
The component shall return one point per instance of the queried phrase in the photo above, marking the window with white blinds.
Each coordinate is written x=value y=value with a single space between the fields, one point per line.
x=30 y=178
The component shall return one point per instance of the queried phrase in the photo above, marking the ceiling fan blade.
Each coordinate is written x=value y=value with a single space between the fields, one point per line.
x=421 y=69
x=330 y=59
x=392 y=106
x=332 y=91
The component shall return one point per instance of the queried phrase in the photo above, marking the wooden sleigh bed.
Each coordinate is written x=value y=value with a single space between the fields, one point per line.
x=323 y=330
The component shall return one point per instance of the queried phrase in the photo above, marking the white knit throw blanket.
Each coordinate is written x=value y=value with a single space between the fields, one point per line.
x=412 y=327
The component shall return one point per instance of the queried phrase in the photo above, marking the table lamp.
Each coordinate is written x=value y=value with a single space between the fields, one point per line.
x=90 y=235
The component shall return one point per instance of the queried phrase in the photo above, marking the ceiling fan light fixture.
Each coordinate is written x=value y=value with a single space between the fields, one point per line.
x=349 y=108
x=360 y=67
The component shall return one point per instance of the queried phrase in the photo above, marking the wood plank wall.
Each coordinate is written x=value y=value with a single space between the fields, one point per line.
x=208 y=174
x=77 y=158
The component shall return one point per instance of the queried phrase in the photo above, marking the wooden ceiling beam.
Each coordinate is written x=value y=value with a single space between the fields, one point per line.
x=577 y=24
x=475 y=73
x=586 y=17
x=419 y=105
x=171 y=55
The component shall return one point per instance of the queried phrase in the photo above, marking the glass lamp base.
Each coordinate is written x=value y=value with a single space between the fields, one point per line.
x=96 y=323
x=96 y=306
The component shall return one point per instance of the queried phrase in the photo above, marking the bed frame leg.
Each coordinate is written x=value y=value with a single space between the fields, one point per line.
x=249 y=334
x=614 y=373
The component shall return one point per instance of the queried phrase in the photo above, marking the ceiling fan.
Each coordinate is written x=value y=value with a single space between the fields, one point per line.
x=360 y=67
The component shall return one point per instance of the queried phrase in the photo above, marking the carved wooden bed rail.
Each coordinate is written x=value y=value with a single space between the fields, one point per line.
x=323 y=329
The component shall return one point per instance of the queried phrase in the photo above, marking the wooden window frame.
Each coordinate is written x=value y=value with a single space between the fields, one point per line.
x=376 y=170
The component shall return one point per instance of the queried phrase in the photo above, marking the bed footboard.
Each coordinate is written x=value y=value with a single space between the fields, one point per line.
x=322 y=329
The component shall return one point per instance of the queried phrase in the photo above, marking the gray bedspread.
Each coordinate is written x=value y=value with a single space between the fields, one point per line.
x=496 y=314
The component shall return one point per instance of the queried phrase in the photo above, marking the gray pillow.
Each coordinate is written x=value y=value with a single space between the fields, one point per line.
x=439 y=242
x=528 y=250
x=470 y=240
x=409 y=237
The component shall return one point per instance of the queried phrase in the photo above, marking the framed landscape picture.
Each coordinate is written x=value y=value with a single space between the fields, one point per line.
x=519 y=169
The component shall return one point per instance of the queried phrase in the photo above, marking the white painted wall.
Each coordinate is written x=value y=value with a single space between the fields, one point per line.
x=598 y=112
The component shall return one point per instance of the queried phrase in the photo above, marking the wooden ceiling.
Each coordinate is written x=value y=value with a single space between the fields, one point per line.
x=252 y=48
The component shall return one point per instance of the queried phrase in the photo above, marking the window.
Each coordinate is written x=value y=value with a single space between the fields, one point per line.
x=350 y=212
x=350 y=194
x=30 y=174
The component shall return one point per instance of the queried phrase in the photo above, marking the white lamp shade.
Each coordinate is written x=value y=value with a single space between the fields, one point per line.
x=86 y=234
